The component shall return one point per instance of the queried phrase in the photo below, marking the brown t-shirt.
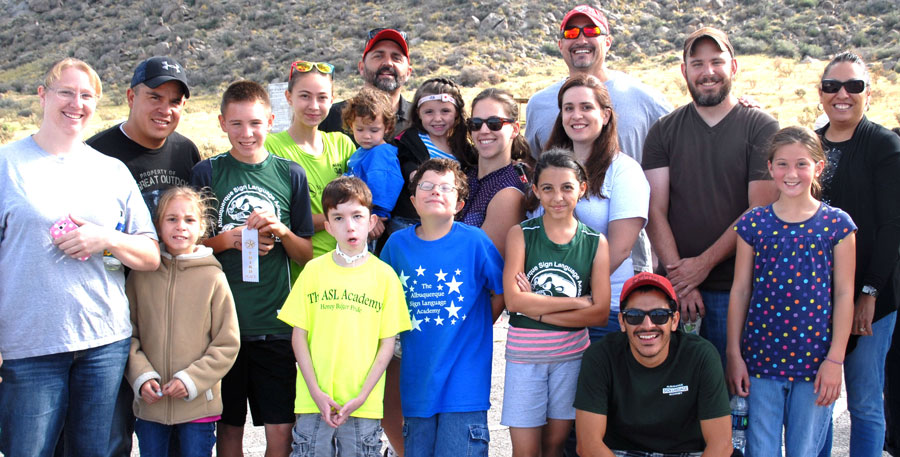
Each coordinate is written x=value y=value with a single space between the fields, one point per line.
x=709 y=171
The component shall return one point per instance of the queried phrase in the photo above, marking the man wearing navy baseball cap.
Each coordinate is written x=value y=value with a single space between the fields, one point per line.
x=158 y=158
x=651 y=388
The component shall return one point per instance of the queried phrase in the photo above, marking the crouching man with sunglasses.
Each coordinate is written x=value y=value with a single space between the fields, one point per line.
x=651 y=390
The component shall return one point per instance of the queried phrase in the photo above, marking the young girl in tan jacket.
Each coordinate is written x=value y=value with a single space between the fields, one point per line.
x=185 y=333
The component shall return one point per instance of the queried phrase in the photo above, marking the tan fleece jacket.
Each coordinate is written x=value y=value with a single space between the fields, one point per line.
x=185 y=327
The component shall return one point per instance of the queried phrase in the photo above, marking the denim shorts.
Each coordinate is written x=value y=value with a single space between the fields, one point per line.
x=447 y=435
x=535 y=392
x=312 y=437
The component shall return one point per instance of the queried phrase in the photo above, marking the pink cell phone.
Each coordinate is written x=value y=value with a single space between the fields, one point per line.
x=63 y=226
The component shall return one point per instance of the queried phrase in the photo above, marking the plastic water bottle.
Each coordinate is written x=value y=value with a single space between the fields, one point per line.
x=740 y=412
x=109 y=262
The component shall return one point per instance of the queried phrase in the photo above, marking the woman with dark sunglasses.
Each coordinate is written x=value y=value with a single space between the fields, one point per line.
x=862 y=177
x=618 y=194
x=496 y=193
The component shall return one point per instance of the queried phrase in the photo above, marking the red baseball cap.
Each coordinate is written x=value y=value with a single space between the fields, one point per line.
x=376 y=35
x=591 y=13
x=647 y=279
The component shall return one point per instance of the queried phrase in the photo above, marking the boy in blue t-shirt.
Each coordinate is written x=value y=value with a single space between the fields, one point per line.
x=452 y=274
x=370 y=116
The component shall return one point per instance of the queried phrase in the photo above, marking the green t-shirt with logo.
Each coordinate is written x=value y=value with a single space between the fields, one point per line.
x=556 y=270
x=320 y=170
x=276 y=185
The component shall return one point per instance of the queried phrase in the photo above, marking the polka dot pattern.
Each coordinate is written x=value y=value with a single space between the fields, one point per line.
x=788 y=328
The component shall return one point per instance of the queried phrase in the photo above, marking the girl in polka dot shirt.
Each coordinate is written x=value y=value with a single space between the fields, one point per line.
x=791 y=304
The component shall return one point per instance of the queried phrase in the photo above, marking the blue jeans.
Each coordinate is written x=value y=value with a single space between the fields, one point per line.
x=195 y=439
x=122 y=422
x=864 y=372
x=40 y=394
x=715 y=322
x=357 y=437
x=612 y=326
x=777 y=405
x=447 y=435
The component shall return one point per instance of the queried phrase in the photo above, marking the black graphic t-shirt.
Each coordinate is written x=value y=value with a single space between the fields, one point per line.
x=155 y=170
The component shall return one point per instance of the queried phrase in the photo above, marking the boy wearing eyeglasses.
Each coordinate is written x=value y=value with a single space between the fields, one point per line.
x=257 y=190
x=452 y=276
x=651 y=388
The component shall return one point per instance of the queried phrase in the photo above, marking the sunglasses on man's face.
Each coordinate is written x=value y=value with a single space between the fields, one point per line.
x=590 y=31
x=303 y=66
x=494 y=123
x=658 y=316
x=853 y=86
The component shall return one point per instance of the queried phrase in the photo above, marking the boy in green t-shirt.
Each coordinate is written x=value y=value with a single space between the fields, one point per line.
x=257 y=190
x=346 y=308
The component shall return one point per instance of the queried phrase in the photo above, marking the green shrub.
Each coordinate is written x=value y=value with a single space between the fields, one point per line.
x=785 y=48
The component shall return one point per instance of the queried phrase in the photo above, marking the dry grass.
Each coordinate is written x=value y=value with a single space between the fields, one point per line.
x=785 y=88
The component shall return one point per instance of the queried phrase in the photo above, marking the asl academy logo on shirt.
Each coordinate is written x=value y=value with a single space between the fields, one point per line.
x=677 y=389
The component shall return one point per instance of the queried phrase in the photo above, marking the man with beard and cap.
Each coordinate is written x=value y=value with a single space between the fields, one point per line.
x=584 y=41
x=384 y=66
x=706 y=164
x=651 y=389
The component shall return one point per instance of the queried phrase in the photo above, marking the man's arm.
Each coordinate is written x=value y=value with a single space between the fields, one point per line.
x=688 y=273
x=590 y=429
x=663 y=241
x=717 y=434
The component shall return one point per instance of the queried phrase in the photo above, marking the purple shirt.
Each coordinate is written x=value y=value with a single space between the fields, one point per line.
x=788 y=329
x=482 y=191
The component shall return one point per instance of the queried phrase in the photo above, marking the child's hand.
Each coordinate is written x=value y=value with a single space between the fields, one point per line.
x=267 y=222
x=828 y=383
x=150 y=392
x=522 y=282
x=328 y=407
x=736 y=376
x=348 y=409
x=175 y=389
x=266 y=242
x=378 y=229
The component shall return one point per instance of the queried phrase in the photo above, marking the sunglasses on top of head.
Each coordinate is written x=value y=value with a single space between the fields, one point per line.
x=853 y=86
x=378 y=30
x=494 y=123
x=590 y=31
x=658 y=316
x=303 y=66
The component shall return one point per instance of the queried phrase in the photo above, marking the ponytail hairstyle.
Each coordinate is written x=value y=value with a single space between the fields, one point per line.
x=605 y=146
x=806 y=138
x=457 y=136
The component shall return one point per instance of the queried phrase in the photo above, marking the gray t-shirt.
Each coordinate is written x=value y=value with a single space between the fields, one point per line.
x=637 y=107
x=710 y=169
x=52 y=303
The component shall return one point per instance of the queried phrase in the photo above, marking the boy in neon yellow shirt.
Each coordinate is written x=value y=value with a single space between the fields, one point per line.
x=346 y=309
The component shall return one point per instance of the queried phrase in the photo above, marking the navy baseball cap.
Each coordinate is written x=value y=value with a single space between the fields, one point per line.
x=157 y=70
